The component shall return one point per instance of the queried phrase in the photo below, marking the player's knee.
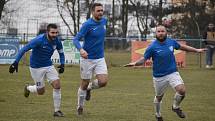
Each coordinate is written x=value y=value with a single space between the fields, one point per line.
x=181 y=92
x=56 y=84
x=41 y=91
x=157 y=99
x=180 y=89
x=103 y=79
x=57 y=87
x=84 y=84
x=102 y=83
x=84 y=87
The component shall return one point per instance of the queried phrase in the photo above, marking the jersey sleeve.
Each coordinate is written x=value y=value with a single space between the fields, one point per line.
x=83 y=31
x=176 y=45
x=148 y=52
x=32 y=44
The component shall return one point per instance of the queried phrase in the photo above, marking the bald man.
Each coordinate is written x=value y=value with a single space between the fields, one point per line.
x=165 y=72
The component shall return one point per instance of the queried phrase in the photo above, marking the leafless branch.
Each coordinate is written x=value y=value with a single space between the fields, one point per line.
x=59 y=8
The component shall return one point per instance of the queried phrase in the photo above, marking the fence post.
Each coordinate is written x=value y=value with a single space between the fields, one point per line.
x=200 y=56
x=23 y=40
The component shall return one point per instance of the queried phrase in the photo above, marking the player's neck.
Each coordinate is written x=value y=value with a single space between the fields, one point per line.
x=48 y=38
x=95 y=19
x=161 y=40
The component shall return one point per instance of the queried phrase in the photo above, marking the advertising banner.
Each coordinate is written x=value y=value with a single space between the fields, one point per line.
x=9 y=48
x=72 y=55
x=138 y=49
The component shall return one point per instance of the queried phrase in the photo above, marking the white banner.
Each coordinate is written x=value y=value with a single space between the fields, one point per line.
x=72 y=55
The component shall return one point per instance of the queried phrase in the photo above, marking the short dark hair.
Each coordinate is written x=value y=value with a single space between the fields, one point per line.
x=93 y=6
x=54 y=26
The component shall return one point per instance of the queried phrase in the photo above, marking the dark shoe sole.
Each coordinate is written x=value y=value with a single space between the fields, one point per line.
x=159 y=118
x=179 y=112
x=80 y=110
x=58 y=114
x=26 y=91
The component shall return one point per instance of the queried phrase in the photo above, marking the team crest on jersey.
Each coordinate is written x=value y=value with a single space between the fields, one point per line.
x=54 y=47
x=171 y=48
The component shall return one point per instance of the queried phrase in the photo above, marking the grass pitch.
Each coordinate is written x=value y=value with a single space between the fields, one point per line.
x=128 y=96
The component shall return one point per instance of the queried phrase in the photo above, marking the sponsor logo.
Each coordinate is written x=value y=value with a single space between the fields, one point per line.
x=159 y=51
x=95 y=28
x=7 y=50
x=54 y=47
x=171 y=48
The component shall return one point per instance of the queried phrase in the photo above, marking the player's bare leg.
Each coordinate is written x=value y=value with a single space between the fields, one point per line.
x=82 y=95
x=157 y=106
x=100 y=81
x=57 y=98
x=33 y=89
x=179 y=96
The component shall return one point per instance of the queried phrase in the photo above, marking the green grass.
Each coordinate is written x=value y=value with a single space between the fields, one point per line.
x=127 y=97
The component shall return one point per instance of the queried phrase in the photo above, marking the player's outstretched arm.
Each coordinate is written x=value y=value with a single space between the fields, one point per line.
x=130 y=64
x=14 y=66
x=139 y=62
x=192 y=49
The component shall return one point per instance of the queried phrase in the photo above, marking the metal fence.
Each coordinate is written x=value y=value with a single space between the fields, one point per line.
x=113 y=43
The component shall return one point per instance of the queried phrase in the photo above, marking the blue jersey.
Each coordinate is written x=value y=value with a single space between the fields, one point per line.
x=42 y=50
x=93 y=33
x=162 y=55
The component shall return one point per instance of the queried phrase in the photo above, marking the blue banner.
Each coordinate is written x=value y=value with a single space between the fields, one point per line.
x=9 y=48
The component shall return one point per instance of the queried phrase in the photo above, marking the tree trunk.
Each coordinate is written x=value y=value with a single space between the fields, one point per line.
x=140 y=21
x=78 y=19
x=89 y=4
x=2 y=3
x=160 y=12
x=113 y=17
x=124 y=17
x=61 y=15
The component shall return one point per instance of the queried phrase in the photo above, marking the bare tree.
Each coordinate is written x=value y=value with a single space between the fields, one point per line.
x=8 y=9
x=141 y=15
x=160 y=11
x=195 y=17
x=124 y=17
x=114 y=18
x=2 y=5
x=88 y=5
x=71 y=8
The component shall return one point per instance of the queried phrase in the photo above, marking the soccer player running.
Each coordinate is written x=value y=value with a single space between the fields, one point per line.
x=165 y=73
x=43 y=47
x=92 y=55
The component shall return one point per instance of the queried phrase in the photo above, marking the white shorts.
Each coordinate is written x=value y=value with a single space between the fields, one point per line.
x=88 y=67
x=40 y=74
x=161 y=83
